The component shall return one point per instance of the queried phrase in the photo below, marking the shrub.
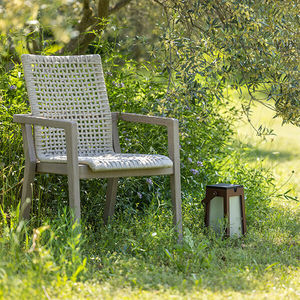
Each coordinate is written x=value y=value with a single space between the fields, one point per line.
x=205 y=144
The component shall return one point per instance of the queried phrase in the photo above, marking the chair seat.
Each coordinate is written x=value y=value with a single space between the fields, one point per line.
x=118 y=161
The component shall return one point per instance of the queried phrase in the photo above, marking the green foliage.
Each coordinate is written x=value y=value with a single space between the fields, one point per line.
x=206 y=151
x=248 y=45
x=39 y=20
x=206 y=132
x=12 y=101
x=213 y=44
x=51 y=251
x=51 y=257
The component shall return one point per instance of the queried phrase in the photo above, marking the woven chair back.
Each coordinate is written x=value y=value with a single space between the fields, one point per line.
x=69 y=88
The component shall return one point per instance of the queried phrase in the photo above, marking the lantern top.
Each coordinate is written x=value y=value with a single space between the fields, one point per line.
x=225 y=186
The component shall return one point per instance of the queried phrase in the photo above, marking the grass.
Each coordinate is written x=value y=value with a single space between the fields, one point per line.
x=136 y=256
x=126 y=260
x=279 y=152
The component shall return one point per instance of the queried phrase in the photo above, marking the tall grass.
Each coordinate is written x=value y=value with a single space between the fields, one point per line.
x=136 y=255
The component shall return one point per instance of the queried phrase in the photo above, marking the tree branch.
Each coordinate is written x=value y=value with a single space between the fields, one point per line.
x=86 y=4
x=91 y=24
x=160 y=3
x=103 y=7
x=87 y=18
x=118 y=6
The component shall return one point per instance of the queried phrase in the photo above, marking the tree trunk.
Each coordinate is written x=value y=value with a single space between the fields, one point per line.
x=91 y=25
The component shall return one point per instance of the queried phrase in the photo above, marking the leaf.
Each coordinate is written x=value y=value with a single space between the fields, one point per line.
x=169 y=254
x=271 y=266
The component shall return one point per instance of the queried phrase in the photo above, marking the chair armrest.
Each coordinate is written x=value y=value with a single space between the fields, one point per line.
x=71 y=135
x=41 y=121
x=138 y=118
x=171 y=124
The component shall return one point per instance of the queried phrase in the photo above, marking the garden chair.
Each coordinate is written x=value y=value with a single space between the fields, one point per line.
x=71 y=131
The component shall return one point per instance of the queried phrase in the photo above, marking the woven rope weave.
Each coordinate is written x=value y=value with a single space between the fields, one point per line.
x=70 y=88
x=73 y=88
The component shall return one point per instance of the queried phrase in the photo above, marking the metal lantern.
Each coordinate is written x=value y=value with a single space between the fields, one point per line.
x=225 y=205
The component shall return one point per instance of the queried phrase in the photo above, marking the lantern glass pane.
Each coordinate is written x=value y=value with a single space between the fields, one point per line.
x=216 y=213
x=235 y=216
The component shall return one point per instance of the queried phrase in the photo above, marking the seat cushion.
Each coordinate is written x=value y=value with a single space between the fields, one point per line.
x=119 y=161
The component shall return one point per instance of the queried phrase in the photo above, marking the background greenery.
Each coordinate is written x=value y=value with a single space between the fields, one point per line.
x=161 y=69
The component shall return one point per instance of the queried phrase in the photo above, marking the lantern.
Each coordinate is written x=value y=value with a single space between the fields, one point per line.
x=225 y=203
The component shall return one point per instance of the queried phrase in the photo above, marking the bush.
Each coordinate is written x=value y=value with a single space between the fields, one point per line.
x=206 y=150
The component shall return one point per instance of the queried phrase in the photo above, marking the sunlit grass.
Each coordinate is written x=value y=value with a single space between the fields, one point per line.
x=279 y=152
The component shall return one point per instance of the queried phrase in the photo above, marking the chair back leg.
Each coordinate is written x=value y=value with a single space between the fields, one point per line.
x=176 y=203
x=111 y=196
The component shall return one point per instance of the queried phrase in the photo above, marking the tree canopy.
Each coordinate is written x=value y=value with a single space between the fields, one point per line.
x=206 y=45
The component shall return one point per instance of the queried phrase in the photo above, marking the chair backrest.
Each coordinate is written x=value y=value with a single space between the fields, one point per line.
x=70 y=88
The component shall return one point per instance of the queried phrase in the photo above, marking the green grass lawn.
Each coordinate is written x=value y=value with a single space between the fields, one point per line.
x=279 y=152
x=128 y=261
x=136 y=257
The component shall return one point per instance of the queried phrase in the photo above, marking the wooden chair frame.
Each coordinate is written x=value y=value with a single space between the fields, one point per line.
x=76 y=171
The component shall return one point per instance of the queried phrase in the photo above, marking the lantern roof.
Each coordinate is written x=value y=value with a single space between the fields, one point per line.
x=224 y=186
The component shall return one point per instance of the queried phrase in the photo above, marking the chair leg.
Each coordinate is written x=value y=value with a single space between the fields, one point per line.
x=176 y=203
x=111 y=195
x=26 y=200
x=74 y=194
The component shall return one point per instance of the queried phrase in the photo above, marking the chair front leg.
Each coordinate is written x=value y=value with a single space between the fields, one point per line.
x=73 y=169
x=29 y=172
x=27 y=191
x=111 y=196
x=74 y=194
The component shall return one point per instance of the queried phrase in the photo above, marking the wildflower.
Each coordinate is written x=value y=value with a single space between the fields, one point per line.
x=195 y=172
x=122 y=84
x=114 y=83
x=200 y=163
x=149 y=181
x=139 y=195
x=13 y=87
x=190 y=160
